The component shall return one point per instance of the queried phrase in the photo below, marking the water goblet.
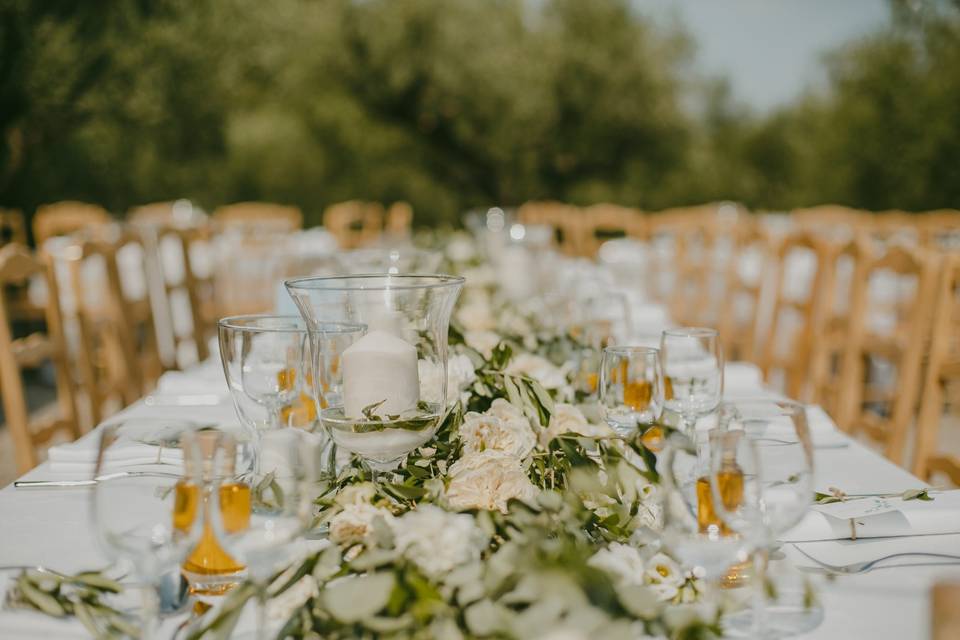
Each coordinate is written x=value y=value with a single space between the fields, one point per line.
x=266 y=360
x=768 y=445
x=692 y=363
x=631 y=388
x=133 y=517
x=690 y=530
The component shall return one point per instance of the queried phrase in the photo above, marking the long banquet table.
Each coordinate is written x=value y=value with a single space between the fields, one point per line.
x=51 y=527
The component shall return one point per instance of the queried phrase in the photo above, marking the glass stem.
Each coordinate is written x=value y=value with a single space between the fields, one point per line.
x=760 y=559
x=150 y=611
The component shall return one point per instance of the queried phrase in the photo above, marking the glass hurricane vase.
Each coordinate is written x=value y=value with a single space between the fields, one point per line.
x=391 y=375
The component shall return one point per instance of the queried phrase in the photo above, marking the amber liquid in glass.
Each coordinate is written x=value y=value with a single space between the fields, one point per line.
x=730 y=482
x=209 y=558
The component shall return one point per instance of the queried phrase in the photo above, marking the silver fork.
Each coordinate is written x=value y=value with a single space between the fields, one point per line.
x=862 y=567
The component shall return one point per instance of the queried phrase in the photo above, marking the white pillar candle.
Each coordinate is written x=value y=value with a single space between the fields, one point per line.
x=380 y=367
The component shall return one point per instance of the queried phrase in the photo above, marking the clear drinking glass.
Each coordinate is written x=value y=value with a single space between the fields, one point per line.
x=692 y=363
x=283 y=489
x=209 y=569
x=266 y=360
x=631 y=388
x=133 y=513
x=393 y=378
x=689 y=532
x=768 y=445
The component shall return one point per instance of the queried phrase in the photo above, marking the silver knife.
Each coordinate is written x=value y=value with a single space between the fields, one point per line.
x=39 y=484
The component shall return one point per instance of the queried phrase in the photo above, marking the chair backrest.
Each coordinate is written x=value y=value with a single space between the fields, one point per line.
x=743 y=291
x=12 y=227
x=65 y=218
x=847 y=266
x=566 y=220
x=189 y=303
x=17 y=266
x=943 y=367
x=884 y=338
x=939 y=229
x=117 y=354
x=833 y=221
x=399 y=220
x=801 y=271
x=604 y=221
x=354 y=223
x=173 y=213
x=255 y=216
x=945 y=611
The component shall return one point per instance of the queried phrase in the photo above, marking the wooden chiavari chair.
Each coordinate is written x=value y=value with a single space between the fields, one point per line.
x=945 y=611
x=17 y=266
x=191 y=313
x=797 y=313
x=833 y=221
x=745 y=271
x=848 y=263
x=174 y=213
x=566 y=220
x=939 y=229
x=117 y=353
x=258 y=216
x=943 y=367
x=696 y=234
x=602 y=222
x=354 y=223
x=869 y=402
x=399 y=220
x=65 y=218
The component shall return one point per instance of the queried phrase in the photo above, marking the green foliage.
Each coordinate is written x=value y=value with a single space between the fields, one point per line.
x=451 y=104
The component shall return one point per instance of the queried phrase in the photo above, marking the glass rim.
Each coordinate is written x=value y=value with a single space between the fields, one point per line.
x=621 y=350
x=691 y=332
x=404 y=282
x=248 y=322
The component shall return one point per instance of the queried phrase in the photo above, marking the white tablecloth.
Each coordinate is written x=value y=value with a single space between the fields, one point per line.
x=51 y=527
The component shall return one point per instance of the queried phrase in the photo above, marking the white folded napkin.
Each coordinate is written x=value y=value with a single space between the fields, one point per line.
x=879 y=518
x=81 y=456
x=201 y=379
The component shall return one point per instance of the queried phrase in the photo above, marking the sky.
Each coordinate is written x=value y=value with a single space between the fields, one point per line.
x=769 y=49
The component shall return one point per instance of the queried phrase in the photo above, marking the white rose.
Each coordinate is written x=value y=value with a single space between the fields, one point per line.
x=538 y=368
x=621 y=561
x=354 y=523
x=664 y=576
x=566 y=418
x=487 y=480
x=460 y=374
x=360 y=493
x=475 y=315
x=503 y=428
x=482 y=341
x=438 y=541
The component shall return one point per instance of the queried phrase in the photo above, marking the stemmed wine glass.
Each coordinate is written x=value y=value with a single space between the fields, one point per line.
x=631 y=388
x=283 y=489
x=133 y=515
x=768 y=445
x=690 y=531
x=692 y=362
x=266 y=360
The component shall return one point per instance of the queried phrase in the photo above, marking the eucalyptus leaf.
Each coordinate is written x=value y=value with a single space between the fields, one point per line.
x=358 y=597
